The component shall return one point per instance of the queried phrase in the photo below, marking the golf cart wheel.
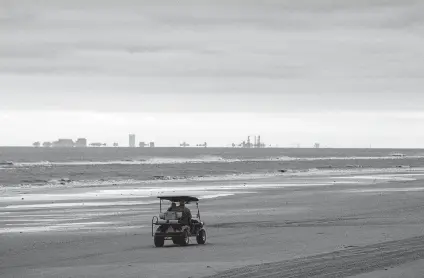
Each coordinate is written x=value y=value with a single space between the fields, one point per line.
x=159 y=241
x=184 y=240
x=201 y=237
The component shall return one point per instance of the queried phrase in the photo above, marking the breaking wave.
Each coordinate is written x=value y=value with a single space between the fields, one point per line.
x=148 y=161
x=196 y=160
x=158 y=180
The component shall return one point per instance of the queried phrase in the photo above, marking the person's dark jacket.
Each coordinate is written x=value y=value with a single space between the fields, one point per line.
x=186 y=217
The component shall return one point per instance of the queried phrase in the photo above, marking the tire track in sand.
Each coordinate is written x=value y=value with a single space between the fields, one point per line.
x=344 y=263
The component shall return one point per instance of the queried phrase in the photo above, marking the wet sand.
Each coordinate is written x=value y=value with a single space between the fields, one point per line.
x=316 y=226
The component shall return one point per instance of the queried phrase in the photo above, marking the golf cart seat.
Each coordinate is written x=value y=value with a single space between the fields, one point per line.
x=163 y=222
x=171 y=215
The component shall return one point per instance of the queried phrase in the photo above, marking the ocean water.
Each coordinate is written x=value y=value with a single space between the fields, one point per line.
x=20 y=166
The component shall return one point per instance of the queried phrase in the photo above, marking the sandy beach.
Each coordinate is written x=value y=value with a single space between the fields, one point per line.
x=322 y=225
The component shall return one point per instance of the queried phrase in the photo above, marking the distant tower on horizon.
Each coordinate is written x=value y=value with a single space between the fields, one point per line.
x=132 y=140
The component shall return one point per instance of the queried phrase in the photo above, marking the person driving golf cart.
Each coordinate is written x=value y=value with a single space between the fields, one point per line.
x=186 y=217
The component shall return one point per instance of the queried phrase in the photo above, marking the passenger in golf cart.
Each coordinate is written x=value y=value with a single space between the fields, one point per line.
x=186 y=217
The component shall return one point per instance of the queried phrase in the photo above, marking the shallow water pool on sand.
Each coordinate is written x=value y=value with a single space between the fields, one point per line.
x=20 y=228
x=382 y=190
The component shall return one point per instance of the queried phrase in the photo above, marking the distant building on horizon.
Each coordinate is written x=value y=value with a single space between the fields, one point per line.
x=115 y=144
x=63 y=143
x=81 y=143
x=131 y=141
x=152 y=144
x=47 y=144
x=317 y=146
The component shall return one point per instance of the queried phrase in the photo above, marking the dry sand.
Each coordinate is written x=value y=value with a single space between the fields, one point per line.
x=369 y=229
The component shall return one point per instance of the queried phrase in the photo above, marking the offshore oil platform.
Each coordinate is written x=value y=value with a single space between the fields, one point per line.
x=248 y=144
x=185 y=145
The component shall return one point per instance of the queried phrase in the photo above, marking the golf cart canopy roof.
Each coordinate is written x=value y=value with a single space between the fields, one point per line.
x=186 y=199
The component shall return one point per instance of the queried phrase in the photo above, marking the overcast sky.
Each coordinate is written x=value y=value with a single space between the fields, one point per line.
x=342 y=73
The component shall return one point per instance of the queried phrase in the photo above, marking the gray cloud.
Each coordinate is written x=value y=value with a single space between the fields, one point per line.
x=286 y=51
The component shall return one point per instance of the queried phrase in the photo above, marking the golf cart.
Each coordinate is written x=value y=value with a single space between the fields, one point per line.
x=171 y=226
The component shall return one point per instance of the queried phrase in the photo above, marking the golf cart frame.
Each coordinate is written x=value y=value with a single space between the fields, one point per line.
x=170 y=227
